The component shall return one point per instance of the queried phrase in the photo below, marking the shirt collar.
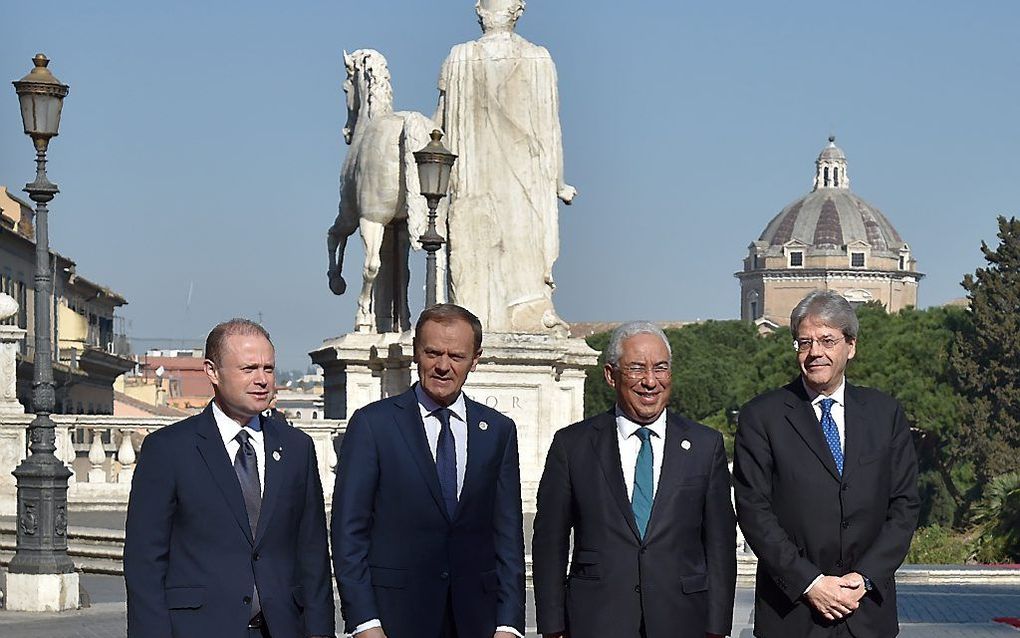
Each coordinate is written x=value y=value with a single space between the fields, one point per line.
x=837 y=395
x=627 y=427
x=229 y=428
x=427 y=405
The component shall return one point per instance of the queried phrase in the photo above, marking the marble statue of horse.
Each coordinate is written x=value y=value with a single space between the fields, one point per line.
x=379 y=194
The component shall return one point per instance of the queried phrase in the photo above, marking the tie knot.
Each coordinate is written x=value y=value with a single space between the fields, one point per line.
x=643 y=433
x=243 y=437
x=827 y=405
x=443 y=414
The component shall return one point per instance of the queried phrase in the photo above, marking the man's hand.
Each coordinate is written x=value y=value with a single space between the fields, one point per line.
x=853 y=584
x=372 y=632
x=831 y=599
x=503 y=634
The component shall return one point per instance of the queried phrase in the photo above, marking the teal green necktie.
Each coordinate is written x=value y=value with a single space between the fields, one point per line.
x=644 y=479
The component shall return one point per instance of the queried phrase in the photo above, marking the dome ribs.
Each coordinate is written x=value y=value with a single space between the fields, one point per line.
x=784 y=233
x=828 y=231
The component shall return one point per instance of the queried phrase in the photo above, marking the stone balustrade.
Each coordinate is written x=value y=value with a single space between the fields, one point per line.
x=102 y=452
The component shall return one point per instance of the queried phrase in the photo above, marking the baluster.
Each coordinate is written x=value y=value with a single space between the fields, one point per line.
x=97 y=457
x=126 y=456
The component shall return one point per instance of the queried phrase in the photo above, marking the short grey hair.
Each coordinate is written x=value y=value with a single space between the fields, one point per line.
x=631 y=329
x=829 y=307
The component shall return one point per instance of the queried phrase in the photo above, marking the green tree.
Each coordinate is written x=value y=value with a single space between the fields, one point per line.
x=985 y=358
x=998 y=520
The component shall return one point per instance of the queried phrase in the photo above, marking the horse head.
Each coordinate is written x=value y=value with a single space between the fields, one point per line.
x=367 y=86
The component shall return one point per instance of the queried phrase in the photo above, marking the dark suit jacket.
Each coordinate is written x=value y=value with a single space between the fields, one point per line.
x=802 y=519
x=397 y=555
x=190 y=561
x=680 y=579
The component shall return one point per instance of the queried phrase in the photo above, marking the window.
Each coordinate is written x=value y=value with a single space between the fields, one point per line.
x=826 y=177
x=299 y=414
x=857 y=260
x=796 y=258
x=835 y=177
x=903 y=262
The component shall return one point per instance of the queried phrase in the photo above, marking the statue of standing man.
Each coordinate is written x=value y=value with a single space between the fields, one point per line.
x=499 y=107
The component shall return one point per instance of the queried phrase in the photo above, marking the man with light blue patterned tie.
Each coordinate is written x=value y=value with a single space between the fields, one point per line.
x=645 y=493
x=826 y=485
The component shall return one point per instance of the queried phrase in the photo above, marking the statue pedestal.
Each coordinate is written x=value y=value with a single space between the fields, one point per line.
x=361 y=367
x=536 y=380
x=10 y=340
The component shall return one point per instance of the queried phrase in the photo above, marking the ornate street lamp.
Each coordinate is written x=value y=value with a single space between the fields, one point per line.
x=41 y=575
x=434 y=164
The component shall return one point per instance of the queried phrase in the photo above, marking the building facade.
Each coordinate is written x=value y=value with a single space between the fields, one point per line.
x=829 y=239
x=90 y=352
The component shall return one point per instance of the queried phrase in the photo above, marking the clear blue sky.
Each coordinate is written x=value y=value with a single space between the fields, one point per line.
x=201 y=141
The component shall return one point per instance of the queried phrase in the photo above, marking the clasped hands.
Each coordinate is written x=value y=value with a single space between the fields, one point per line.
x=377 y=632
x=836 y=597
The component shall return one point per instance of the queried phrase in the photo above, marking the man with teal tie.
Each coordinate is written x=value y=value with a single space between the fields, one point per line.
x=646 y=493
x=826 y=485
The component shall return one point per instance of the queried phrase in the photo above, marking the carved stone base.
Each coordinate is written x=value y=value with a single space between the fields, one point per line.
x=359 y=368
x=42 y=592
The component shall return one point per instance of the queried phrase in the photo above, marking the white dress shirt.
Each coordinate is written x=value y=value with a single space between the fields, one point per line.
x=630 y=445
x=458 y=425
x=838 y=412
x=228 y=430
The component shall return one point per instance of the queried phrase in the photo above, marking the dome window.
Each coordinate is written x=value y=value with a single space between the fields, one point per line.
x=857 y=260
x=796 y=259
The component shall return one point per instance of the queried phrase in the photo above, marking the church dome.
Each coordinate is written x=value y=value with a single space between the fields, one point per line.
x=831 y=216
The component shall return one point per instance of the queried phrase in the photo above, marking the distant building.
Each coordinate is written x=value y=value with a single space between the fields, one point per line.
x=90 y=352
x=171 y=377
x=829 y=239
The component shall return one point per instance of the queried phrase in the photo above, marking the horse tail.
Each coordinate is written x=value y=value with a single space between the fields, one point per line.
x=414 y=137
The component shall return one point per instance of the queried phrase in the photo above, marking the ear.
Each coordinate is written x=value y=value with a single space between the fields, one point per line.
x=212 y=372
x=474 y=362
x=607 y=371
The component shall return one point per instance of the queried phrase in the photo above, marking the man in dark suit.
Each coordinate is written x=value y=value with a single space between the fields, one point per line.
x=826 y=488
x=427 y=525
x=208 y=550
x=647 y=495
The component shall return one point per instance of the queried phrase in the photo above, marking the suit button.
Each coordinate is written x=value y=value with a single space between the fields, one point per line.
x=247 y=600
x=444 y=575
x=255 y=556
x=845 y=524
x=644 y=550
x=846 y=487
x=637 y=588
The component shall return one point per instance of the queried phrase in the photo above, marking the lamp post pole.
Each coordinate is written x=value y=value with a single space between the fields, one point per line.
x=41 y=561
x=434 y=165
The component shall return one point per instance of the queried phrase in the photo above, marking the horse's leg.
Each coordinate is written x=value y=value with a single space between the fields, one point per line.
x=402 y=276
x=372 y=236
x=336 y=244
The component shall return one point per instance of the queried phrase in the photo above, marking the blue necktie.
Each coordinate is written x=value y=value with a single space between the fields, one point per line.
x=446 y=461
x=644 y=478
x=246 y=466
x=832 y=433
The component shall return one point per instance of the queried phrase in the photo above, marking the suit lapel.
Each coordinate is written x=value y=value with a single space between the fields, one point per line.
x=274 y=471
x=607 y=450
x=210 y=446
x=802 y=417
x=411 y=428
x=853 y=432
x=479 y=449
x=673 y=468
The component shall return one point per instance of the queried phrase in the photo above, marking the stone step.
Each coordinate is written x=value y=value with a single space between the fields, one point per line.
x=93 y=550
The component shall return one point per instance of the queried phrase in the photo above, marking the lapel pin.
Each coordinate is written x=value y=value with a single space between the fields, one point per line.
x=483 y=426
x=276 y=454
x=685 y=444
